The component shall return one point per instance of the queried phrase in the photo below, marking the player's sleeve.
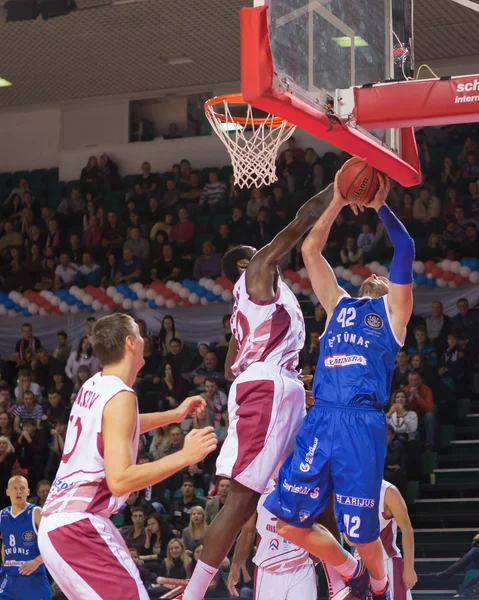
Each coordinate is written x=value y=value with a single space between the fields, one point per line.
x=404 y=250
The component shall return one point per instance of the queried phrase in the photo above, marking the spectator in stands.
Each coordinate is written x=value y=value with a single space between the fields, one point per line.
x=26 y=346
x=138 y=245
x=465 y=323
x=173 y=388
x=83 y=355
x=451 y=203
x=199 y=376
x=470 y=168
x=34 y=263
x=167 y=333
x=164 y=225
x=21 y=190
x=421 y=401
x=43 y=488
x=195 y=532
x=76 y=249
x=61 y=351
x=29 y=409
x=190 y=191
x=58 y=433
x=238 y=225
x=174 y=566
x=157 y=537
x=92 y=235
x=129 y=268
x=62 y=384
x=294 y=171
x=109 y=178
x=154 y=212
x=470 y=245
x=31 y=447
x=208 y=264
x=168 y=267
x=43 y=366
x=10 y=238
x=403 y=421
x=427 y=209
x=9 y=466
x=438 y=325
x=393 y=471
x=452 y=364
x=134 y=535
x=6 y=423
x=147 y=183
x=216 y=399
x=171 y=195
x=183 y=232
x=350 y=253
x=174 y=442
x=450 y=173
x=264 y=228
x=113 y=233
x=214 y=193
x=203 y=349
x=214 y=505
x=73 y=207
x=434 y=250
x=65 y=272
x=424 y=346
x=55 y=407
x=223 y=240
x=177 y=356
x=91 y=177
x=25 y=384
x=180 y=509
x=89 y=273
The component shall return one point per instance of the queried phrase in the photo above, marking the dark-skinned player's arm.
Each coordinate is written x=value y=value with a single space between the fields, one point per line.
x=400 y=276
x=231 y=358
x=323 y=279
x=243 y=546
x=261 y=271
x=395 y=505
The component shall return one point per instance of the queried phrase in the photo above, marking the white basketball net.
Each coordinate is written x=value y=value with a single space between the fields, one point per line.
x=253 y=147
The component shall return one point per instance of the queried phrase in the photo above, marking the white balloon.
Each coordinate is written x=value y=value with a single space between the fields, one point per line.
x=135 y=286
x=127 y=304
x=169 y=284
x=33 y=309
x=3 y=310
x=118 y=298
x=383 y=271
x=176 y=287
x=141 y=294
x=204 y=301
x=296 y=289
x=226 y=295
x=64 y=307
x=313 y=298
x=160 y=300
x=184 y=293
x=347 y=274
x=151 y=294
x=194 y=298
x=12 y=295
x=217 y=290
x=455 y=266
x=44 y=293
x=106 y=308
x=88 y=299
x=110 y=291
x=209 y=284
x=356 y=280
x=80 y=295
x=137 y=304
x=465 y=271
x=474 y=277
x=42 y=312
x=11 y=314
x=441 y=283
x=303 y=273
x=97 y=305
x=73 y=289
x=418 y=266
x=446 y=265
x=202 y=281
x=55 y=301
x=338 y=271
x=170 y=304
x=452 y=284
x=24 y=303
x=74 y=309
x=374 y=266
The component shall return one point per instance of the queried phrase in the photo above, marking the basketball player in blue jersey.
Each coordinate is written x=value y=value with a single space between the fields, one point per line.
x=341 y=446
x=23 y=571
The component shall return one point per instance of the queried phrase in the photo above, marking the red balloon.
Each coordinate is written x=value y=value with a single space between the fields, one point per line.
x=305 y=283
x=356 y=269
x=186 y=302
x=436 y=272
x=295 y=278
x=167 y=293
x=448 y=276
x=429 y=266
x=365 y=272
x=459 y=279
x=49 y=309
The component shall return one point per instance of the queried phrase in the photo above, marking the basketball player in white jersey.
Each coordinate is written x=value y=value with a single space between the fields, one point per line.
x=266 y=403
x=283 y=571
x=81 y=547
x=393 y=514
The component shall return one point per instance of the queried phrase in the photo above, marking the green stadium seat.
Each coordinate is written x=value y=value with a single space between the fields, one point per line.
x=412 y=491
x=219 y=220
x=202 y=224
x=118 y=520
x=53 y=175
x=115 y=201
x=194 y=349
x=199 y=239
x=18 y=175
x=129 y=182
x=428 y=462
x=469 y=576
x=199 y=493
x=39 y=179
x=225 y=173
x=74 y=183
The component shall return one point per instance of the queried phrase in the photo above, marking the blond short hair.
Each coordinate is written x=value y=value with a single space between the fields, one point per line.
x=109 y=335
x=3 y=438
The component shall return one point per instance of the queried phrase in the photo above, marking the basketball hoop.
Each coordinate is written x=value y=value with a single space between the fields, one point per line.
x=252 y=142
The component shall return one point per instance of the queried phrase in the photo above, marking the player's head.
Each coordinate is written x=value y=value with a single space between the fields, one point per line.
x=374 y=287
x=115 y=338
x=17 y=490
x=236 y=260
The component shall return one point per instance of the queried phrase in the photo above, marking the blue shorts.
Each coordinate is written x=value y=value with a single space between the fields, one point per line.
x=25 y=587
x=340 y=451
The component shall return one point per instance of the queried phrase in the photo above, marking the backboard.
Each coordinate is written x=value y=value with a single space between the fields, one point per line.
x=321 y=46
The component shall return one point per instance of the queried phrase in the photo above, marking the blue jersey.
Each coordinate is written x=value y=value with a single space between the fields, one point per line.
x=358 y=350
x=20 y=540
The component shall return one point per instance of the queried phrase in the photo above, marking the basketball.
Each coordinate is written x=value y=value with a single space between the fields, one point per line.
x=358 y=181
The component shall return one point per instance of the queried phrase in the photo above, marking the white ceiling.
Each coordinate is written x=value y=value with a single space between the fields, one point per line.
x=110 y=50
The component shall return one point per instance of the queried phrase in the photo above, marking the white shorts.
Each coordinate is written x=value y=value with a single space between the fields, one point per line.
x=394 y=568
x=266 y=407
x=88 y=558
x=295 y=584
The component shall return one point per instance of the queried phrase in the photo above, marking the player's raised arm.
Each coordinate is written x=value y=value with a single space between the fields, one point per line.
x=400 y=290
x=323 y=279
x=395 y=504
x=263 y=266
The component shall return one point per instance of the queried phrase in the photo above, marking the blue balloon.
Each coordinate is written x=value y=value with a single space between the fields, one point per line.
x=420 y=279
x=81 y=305
x=62 y=293
x=152 y=304
x=210 y=297
x=3 y=297
x=431 y=283
x=17 y=308
x=341 y=281
x=348 y=286
x=9 y=304
x=91 y=309
x=220 y=299
x=71 y=300
x=201 y=291
x=134 y=295
x=26 y=312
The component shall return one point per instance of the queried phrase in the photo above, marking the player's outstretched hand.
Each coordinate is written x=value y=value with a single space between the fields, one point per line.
x=233 y=579
x=29 y=567
x=382 y=193
x=199 y=443
x=194 y=406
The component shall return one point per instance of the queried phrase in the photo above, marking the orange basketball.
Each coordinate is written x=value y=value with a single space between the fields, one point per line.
x=358 y=181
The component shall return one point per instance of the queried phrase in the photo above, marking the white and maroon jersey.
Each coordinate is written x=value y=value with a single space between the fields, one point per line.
x=80 y=484
x=269 y=332
x=388 y=527
x=274 y=552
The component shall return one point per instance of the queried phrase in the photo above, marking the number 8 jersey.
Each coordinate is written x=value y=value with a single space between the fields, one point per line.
x=357 y=354
x=80 y=484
